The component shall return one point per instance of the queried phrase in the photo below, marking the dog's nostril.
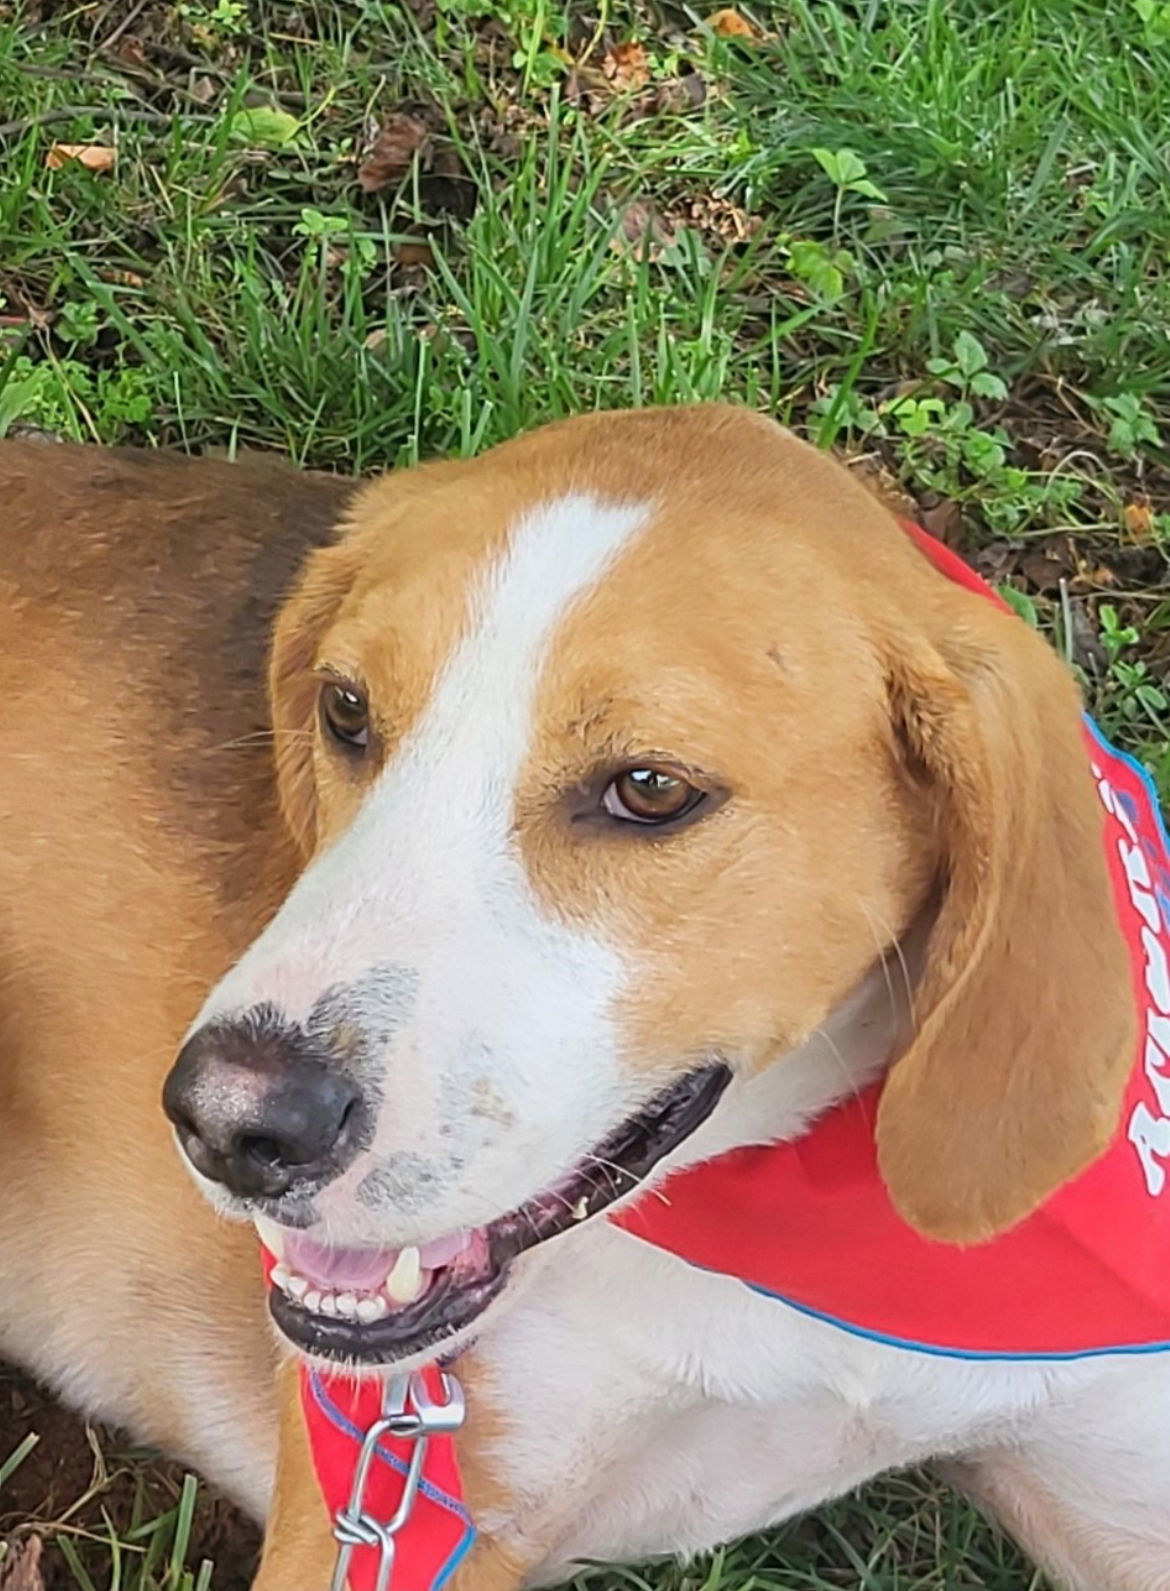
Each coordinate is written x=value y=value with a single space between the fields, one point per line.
x=264 y=1151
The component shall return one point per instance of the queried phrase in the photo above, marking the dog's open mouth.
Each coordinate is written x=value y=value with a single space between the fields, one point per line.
x=376 y=1306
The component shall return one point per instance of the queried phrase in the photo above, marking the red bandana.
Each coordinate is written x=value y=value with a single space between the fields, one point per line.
x=339 y=1410
x=809 y=1222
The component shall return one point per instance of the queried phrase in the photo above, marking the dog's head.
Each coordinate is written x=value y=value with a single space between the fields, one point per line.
x=619 y=756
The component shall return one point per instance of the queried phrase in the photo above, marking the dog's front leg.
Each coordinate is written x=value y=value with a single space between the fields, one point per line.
x=299 y=1547
x=489 y=1566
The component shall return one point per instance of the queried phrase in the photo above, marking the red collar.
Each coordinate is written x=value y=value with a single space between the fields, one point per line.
x=809 y=1222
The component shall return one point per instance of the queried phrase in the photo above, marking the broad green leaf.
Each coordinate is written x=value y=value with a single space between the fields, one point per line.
x=265 y=127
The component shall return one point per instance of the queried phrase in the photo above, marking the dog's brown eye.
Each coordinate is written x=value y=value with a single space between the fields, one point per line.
x=346 y=715
x=650 y=795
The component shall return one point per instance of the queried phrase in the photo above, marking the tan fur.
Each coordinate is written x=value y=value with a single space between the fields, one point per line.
x=1083 y=1553
x=140 y=850
x=299 y=1546
x=1026 y=1026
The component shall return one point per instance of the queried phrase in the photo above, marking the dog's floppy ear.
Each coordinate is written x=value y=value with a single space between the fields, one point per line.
x=292 y=688
x=1025 y=1027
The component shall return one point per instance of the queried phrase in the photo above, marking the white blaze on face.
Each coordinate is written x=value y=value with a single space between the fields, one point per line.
x=503 y=1069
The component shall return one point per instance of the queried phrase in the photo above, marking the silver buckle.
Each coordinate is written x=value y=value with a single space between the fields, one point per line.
x=408 y=1412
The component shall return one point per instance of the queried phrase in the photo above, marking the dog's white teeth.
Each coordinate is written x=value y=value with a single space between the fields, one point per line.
x=345 y=1306
x=271 y=1235
x=404 y=1283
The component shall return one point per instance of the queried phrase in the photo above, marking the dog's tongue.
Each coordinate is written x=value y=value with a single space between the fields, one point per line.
x=360 y=1269
x=364 y=1269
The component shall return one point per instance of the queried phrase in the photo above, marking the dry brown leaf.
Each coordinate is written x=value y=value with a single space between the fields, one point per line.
x=1099 y=575
x=643 y=231
x=443 y=159
x=626 y=67
x=1087 y=651
x=878 y=479
x=722 y=218
x=20 y=1567
x=507 y=128
x=588 y=89
x=388 y=159
x=1044 y=569
x=995 y=560
x=131 y=51
x=94 y=157
x=944 y=521
x=412 y=256
x=677 y=95
x=1139 y=522
x=729 y=24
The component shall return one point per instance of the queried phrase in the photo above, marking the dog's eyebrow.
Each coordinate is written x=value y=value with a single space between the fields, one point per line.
x=341 y=676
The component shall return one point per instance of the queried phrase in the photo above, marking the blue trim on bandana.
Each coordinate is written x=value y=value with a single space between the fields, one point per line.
x=981 y=1354
x=435 y=1493
x=1141 y=771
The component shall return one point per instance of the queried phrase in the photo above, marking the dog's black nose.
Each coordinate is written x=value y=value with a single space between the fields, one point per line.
x=258 y=1108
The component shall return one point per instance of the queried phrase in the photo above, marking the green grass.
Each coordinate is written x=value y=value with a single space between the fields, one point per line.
x=933 y=233
x=149 y=1548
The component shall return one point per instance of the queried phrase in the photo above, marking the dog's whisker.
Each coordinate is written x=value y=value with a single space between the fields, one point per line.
x=852 y=1084
x=259 y=737
x=612 y=1170
x=889 y=946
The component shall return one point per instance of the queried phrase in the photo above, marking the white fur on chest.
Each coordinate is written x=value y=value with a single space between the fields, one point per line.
x=656 y=1409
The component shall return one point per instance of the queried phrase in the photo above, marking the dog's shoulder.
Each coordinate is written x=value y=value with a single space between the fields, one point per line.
x=96 y=521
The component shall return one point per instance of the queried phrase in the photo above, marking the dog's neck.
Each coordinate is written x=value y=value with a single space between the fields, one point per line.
x=850 y=1049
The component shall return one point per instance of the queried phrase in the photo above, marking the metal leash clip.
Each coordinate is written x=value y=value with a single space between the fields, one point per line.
x=409 y=1413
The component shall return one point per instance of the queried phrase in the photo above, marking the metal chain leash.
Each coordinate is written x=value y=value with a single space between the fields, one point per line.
x=409 y=1413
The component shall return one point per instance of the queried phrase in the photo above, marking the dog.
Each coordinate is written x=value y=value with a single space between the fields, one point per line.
x=683 y=856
